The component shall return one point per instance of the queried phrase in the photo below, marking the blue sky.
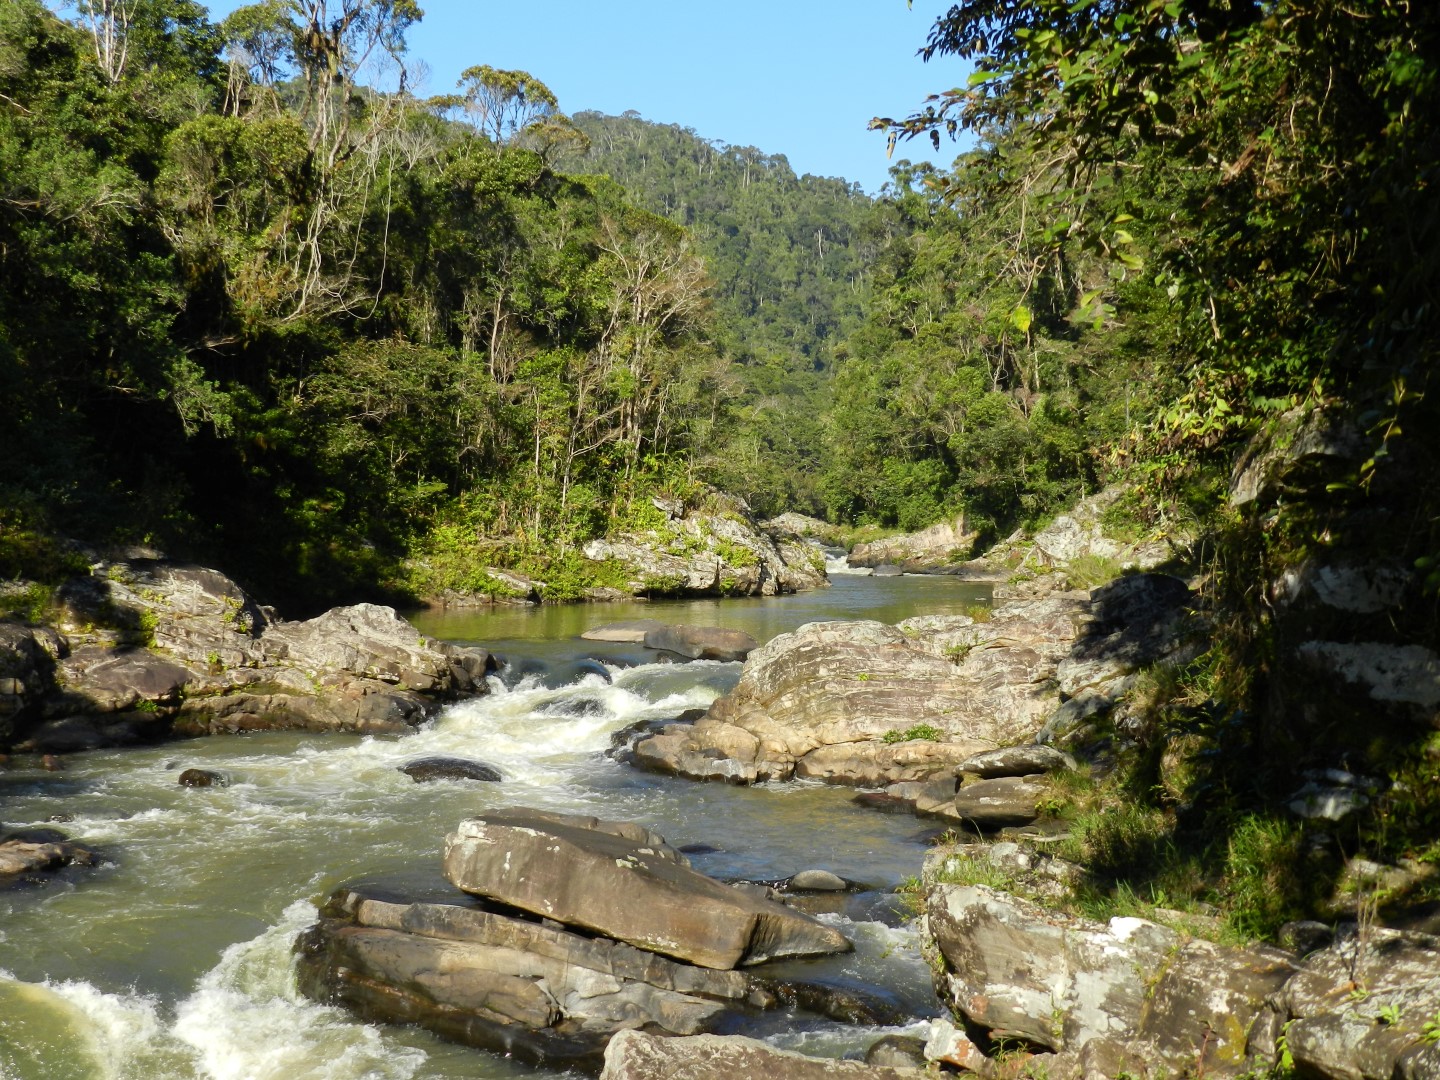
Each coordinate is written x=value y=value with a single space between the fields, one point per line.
x=795 y=77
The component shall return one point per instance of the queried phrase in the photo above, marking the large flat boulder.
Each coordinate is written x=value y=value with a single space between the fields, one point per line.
x=630 y=631
x=868 y=704
x=637 y=1055
x=584 y=875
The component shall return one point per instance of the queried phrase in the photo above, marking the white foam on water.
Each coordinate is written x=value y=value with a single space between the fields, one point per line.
x=246 y=1020
x=120 y=1036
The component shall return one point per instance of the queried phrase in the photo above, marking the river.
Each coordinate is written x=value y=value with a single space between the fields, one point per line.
x=172 y=959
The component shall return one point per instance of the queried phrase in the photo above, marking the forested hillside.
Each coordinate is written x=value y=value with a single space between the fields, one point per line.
x=789 y=259
x=255 y=313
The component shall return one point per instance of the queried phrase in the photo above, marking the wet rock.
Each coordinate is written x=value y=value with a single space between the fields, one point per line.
x=896 y=799
x=565 y=674
x=1016 y=761
x=635 y=1055
x=818 y=881
x=632 y=631
x=897 y=1052
x=701 y=642
x=202 y=778
x=843 y=1004
x=1058 y=982
x=33 y=855
x=72 y=734
x=593 y=876
x=888 y=570
x=28 y=656
x=425 y=770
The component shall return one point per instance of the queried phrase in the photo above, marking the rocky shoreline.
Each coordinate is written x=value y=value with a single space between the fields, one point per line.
x=568 y=940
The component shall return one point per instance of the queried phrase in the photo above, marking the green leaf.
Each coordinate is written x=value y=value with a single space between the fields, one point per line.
x=1020 y=318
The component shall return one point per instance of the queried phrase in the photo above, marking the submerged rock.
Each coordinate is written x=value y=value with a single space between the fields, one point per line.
x=632 y=888
x=425 y=770
x=202 y=778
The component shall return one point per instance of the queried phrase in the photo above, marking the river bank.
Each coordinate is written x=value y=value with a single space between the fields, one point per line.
x=172 y=957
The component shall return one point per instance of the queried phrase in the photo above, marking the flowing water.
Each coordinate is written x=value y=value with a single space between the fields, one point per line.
x=172 y=959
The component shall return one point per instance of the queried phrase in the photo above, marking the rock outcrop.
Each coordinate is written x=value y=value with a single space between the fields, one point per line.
x=944 y=544
x=635 y=1055
x=149 y=648
x=1078 y=992
x=1058 y=983
x=1081 y=533
x=573 y=929
x=719 y=551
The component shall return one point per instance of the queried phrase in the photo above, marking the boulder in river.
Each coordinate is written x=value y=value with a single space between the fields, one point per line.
x=425 y=770
x=202 y=778
x=939 y=545
x=503 y=983
x=701 y=642
x=33 y=855
x=593 y=876
x=867 y=704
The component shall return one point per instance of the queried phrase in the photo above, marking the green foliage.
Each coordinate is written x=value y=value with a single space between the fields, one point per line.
x=1089 y=571
x=917 y=732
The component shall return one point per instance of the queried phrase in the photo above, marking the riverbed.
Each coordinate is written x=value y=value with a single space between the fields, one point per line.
x=172 y=959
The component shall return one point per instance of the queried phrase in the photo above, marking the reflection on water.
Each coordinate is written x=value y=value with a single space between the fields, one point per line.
x=173 y=960
x=551 y=630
